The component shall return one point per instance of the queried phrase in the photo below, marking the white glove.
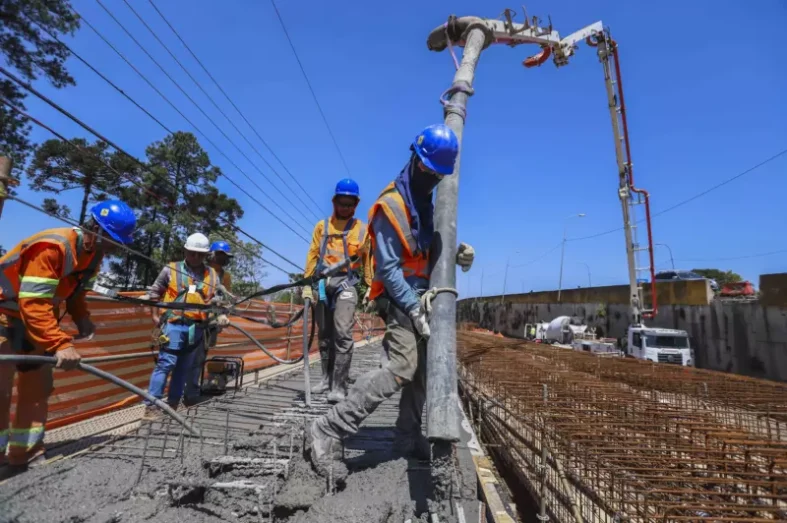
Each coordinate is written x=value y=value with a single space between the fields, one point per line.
x=420 y=322
x=223 y=320
x=465 y=255
x=86 y=329
x=307 y=293
x=365 y=301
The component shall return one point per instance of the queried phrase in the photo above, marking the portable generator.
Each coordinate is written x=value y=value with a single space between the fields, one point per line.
x=220 y=373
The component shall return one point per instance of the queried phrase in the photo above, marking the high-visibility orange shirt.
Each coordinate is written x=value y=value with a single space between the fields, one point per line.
x=39 y=274
x=357 y=245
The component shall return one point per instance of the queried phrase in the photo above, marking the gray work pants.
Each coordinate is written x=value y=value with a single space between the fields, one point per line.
x=404 y=358
x=335 y=326
x=200 y=355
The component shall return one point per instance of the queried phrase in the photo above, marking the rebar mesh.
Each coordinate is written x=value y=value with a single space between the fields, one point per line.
x=628 y=440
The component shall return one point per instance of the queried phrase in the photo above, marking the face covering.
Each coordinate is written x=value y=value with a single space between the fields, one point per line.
x=416 y=188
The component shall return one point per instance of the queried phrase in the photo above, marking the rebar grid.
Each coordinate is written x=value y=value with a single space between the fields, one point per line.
x=628 y=440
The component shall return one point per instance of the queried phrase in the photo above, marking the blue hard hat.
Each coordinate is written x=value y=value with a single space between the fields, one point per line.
x=221 y=246
x=437 y=147
x=116 y=219
x=347 y=187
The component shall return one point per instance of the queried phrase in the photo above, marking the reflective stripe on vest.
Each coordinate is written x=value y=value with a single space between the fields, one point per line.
x=413 y=262
x=179 y=282
x=334 y=255
x=34 y=286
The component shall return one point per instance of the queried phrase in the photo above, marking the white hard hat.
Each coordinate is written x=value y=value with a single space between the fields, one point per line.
x=197 y=242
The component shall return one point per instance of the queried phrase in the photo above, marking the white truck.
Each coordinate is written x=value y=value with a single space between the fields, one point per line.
x=659 y=345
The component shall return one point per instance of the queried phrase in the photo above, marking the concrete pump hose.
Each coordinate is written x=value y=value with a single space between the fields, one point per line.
x=51 y=360
x=262 y=347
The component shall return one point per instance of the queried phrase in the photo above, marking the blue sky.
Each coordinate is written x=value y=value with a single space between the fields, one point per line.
x=703 y=100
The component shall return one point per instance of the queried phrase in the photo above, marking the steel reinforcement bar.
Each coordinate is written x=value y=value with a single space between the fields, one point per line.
x=612 y=439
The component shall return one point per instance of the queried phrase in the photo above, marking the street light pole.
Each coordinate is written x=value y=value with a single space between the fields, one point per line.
x=563 y=251
x=505 y=280
x=590 y=283
x=671 y=259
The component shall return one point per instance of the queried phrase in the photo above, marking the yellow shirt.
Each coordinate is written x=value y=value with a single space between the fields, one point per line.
x=336 y=226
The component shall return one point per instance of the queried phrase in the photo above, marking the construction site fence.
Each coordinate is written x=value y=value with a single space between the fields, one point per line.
x=124 y=328
x=608 y=440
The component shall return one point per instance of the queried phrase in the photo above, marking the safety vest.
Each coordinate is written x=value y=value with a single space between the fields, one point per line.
x=414 y=262
x=224 y=277
x=180 y=281
x=337 y=247
x=78 y=270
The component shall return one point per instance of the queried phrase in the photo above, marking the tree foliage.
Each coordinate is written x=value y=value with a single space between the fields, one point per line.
x=720 y=276
x=33 y=54
x=181 y=199
x=60 y=167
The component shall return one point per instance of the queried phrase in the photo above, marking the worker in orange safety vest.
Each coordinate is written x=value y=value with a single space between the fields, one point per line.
x=183 y=331
x=36 y=276
x=401 y=224
x=334 y=241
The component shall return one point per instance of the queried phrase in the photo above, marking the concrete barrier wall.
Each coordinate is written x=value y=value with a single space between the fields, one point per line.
x=684 y=292
x=741 y=337
x=773 y=289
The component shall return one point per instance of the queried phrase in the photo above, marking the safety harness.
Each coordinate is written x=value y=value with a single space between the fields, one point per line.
x=352 y=275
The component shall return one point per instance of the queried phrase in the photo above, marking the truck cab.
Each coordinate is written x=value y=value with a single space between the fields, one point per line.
x=660 y=345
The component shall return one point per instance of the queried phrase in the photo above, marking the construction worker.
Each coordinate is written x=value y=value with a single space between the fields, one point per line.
x=182 y=331
x=334 y=240
x=401 y=230
x=219 y=257
x=36 y=276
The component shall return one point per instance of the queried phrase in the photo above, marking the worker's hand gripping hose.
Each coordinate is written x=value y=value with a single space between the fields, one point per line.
x=51 y=360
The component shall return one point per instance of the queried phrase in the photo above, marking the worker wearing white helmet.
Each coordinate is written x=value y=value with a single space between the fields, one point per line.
x=182 y=332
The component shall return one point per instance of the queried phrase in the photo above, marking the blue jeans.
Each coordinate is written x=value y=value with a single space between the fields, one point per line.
x=176 y=358
x=193 y=390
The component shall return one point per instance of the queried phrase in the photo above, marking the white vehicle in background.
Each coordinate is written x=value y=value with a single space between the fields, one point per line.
x=659 y=345
x=589 y=342
x=536 y=331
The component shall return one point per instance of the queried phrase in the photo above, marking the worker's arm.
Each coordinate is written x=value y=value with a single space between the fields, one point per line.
x=157 y=290
x=314 y=250
x=76 y=307
x=39 y=275
x=388 y=251
x=228 y=282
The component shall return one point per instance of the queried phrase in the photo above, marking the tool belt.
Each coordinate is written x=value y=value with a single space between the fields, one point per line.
x=328 y=292
x=15 y=333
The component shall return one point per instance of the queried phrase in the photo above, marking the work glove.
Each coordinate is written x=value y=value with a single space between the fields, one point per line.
x=223 y=320
x=465 y=254
x=365 y=301
x=67 y=358
x=307 y=293
x=420 y=322
x=86 y=329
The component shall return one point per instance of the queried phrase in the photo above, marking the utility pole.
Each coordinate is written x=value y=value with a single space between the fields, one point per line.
x=505 y=280
x=5 y=180
x=563 y=251
x=590 y=283
x=481 y=293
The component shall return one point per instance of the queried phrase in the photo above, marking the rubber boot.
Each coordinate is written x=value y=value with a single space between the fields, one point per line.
x=322 y=451
x=325 y=382
x=341 y=372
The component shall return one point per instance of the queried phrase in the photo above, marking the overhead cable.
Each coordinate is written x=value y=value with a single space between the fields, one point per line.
x=199 y=108
x=223 y=113
x=311 y=89
x=118 y=148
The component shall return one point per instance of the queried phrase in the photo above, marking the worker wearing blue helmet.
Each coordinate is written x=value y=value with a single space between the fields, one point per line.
x=48 y=268
x=401 y=229
x=335 y=240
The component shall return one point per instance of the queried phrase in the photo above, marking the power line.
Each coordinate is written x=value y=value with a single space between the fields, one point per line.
x=130 y=178
x=692 y=198
x=534 y=260
x=213 y=122
x=759 y=255
x=311 y=89
x=117 y=147
x=199 y=131
x=224 y=114
x=216 y=83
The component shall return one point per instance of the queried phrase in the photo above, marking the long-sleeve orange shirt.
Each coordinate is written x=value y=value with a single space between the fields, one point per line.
x=45 y=262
